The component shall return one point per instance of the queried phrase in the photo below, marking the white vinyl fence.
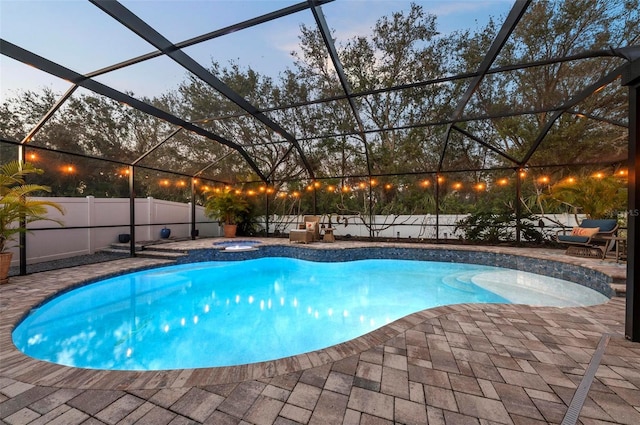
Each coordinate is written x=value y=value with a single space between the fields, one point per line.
x=83 y=232
x=403 y=226
x=75 y=238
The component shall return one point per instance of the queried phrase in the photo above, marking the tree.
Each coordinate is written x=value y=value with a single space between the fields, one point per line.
x=597 y=197
x=553 y=29
x=401 y=133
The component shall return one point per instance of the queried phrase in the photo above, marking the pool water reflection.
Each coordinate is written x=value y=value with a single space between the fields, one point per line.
x=238 y=312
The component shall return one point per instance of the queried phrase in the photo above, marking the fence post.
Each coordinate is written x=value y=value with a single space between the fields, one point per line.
x=151 y=217
x=91 y=221
x=191 y=219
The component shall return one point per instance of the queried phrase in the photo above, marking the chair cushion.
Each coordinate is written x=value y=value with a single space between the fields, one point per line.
x=605 y=224
x=584 y=231
x=573 y=239
x=310 y=225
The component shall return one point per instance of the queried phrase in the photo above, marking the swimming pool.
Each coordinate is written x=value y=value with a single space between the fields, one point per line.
x=215 y=314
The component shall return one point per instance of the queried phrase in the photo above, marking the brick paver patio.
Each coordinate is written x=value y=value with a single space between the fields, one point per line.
x=462 y=364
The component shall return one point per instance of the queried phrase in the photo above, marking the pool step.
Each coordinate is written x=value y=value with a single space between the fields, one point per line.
x=460 y=281
x=167 y=255
x=619 y=286
x=147 y=251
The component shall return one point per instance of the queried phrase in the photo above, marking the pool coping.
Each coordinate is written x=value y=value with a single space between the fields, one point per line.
x=21 y=298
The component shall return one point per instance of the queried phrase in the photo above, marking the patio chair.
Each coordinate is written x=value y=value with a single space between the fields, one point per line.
x=308 y=231
x=590 y=239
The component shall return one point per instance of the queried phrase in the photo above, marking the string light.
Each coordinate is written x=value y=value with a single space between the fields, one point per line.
x=599 y=89
x=457 y=186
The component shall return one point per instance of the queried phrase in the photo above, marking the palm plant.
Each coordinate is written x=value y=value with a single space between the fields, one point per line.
x=227 y=207
x=596 y=197
x=16 y=209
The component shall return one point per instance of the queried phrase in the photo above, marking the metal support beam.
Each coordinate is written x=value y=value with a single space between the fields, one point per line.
x=516 y=13
x=15 y=52
x=371 y=215
x=596 y=118
x=22 y=237
x=625 y=52
x=631 y=78
x=438 y=207
x=202 y=170
x=266 y=215
x=315 y=200
x=585 y=93
x=146 y=32
x=485 y=144
x=49 y=114
x=190 y=42
x=193 y=208
x=518 y=205
x=321 y=22
x=210 y=36
x=132 y=211
x=160 y=143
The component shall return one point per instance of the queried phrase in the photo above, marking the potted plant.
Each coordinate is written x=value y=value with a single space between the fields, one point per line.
x=16 y=209
x=226 y=207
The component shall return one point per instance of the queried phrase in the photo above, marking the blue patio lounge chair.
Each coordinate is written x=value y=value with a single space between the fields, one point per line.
x=589 y=239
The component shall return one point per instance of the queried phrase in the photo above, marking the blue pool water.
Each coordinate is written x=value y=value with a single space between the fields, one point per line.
x=237 y=312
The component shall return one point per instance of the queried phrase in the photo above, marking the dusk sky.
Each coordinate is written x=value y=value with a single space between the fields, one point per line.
x=78 y=35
